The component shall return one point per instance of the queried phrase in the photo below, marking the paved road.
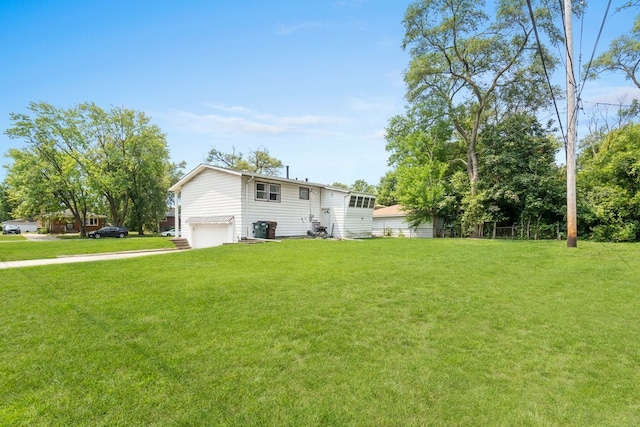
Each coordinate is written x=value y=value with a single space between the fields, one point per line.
x=77 y=258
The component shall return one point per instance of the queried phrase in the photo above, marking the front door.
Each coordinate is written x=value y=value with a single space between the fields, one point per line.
x=326 y=219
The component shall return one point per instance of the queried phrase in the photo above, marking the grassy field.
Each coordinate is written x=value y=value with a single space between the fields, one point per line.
x=384 y=332
x=16 y=248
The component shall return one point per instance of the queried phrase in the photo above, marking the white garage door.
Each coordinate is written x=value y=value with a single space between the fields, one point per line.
x=208 y=235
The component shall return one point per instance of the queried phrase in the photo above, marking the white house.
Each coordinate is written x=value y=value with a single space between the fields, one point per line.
x=218 y=205
x=392 y=220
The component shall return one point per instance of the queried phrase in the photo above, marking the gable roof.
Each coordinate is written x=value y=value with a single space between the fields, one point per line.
x=202 y=167
x=389 y=211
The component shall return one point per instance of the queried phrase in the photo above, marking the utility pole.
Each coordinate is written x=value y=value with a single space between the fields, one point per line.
x=570 y=146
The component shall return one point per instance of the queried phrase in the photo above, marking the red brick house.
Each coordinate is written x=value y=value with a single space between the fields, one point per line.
x=68 y=224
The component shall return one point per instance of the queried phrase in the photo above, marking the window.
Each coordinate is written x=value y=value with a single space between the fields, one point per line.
x=267 y=192
x=91 y=222
x=362 y=202
x=303 y=193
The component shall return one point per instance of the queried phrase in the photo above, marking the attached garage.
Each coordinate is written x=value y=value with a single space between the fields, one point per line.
x=212 y=231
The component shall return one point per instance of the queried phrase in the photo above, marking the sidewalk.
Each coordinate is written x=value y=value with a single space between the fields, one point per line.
x=82 y=258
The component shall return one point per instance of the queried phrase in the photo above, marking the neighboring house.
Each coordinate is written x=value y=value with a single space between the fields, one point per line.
x=392 y=220
x=219 y=205
x=26 y=226
x=66 y=223
x=168 y=222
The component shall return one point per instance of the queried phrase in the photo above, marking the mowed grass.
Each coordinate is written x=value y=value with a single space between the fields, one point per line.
x=385 y=332
x=18 y=248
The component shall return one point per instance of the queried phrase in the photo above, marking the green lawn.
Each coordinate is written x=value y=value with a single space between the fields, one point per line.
x=384 y=332
x=11 y=238
x=22 y=249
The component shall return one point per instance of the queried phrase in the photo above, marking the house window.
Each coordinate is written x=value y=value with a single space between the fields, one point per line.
x=362 y=202
x=91 y=222
x=267 y=192
x=303 y=193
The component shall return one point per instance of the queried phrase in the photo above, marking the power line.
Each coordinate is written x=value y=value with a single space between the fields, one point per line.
x=595 y=46
x=544 y=66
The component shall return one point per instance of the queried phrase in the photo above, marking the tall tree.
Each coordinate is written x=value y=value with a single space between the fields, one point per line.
x=472 y=65
x=257 y=161
x=622 y=56
x=45 y=177
x=522 y=182
x=86 y=157
x=420 y=148
x=129 y=164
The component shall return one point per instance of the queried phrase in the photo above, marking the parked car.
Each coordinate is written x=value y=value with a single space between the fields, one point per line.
x=10 y=229
x=118 y=232
x=167 y=233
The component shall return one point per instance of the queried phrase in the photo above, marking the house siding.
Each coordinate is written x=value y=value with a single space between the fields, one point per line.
x=211 y=194
x=398 y=226
x=358 y=223
x=291 y=213
x=335 y=201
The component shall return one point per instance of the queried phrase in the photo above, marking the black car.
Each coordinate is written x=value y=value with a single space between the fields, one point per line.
x=119 y=232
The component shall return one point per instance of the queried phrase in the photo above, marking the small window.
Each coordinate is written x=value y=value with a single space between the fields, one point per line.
x=91 y=222
x=304 y=193
x=274 y=192
x=352 y=202
x=372 y=203
x=267 y=192
x=261 y=191
x=359 y=202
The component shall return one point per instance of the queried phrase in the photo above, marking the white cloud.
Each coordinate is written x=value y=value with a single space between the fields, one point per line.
x=238 y=120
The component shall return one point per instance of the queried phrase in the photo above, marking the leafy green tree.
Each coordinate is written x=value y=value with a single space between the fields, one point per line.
x=609 y=184
x=6 y=207
x=521 y=180
x=473 y=65
x=622 y=56
x=128 y=164
x=45 y=177
x=85 y=158
x=387 y=195
x=257 y=161
x=363 y=186
x=421 y=149
x=340 y=185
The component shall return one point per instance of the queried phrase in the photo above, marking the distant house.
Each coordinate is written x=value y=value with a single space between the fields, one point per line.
x=168 y=222
x=219 y=205
x=66 y=223
x=392 y=221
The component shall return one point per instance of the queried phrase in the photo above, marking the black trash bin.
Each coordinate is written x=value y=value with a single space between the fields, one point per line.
x=260 y=229
x=271 y=229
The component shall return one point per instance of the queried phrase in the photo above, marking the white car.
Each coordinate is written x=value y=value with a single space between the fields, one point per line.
x=167 y=233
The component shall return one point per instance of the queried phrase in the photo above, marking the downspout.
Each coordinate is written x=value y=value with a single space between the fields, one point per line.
x=246 y=206
x=176 y=224
x=344 y=215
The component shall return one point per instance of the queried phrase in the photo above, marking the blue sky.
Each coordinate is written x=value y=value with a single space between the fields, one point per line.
x=315 y=82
